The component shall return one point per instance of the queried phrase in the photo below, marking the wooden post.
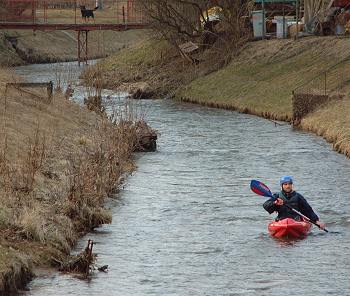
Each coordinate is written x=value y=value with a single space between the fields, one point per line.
x=297 y=18
x=49 y=91
x=86 y=47
x=45 y=11
x=284 y=23
x=33 y=11
x=78 y=48
x=130 y=14
x=263 y=18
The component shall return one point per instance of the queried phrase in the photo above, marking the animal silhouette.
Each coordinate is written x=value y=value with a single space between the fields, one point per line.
x=87 y=13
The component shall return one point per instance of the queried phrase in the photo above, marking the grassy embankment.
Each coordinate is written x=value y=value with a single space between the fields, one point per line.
x=58 y=163
x=146 y=64
x=60 y=46
x=19 y=47
x=260 y=80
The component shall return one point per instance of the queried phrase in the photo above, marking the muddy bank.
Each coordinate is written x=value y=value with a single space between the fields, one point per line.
x=59 y=163
x=16 y=274
x=259 y=80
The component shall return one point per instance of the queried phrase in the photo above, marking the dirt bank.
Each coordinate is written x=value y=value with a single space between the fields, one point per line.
x=259 y=80
x=58 y=162
x=18 y=47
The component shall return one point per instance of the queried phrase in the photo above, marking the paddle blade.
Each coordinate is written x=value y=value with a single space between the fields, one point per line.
x=260 y=188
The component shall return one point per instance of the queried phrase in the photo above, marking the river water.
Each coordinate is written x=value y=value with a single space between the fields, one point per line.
x=186 y=222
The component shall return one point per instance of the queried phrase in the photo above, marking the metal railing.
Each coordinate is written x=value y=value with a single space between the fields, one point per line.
x=70 y=12
x=21 y=86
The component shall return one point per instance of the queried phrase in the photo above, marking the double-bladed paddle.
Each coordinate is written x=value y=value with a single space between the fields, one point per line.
x=261 y=189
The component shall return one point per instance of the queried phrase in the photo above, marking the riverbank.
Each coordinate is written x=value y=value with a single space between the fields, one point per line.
x=259 y=80
x=59 y=162
x=20 y=47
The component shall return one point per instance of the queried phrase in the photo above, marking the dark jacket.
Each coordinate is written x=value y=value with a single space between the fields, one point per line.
x=294 y=200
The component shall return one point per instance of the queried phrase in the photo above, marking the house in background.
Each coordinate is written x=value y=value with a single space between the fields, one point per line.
x=293 y=18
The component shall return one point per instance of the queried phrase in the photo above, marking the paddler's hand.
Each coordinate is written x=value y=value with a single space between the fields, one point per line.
x=278 y=202
x=322 y=225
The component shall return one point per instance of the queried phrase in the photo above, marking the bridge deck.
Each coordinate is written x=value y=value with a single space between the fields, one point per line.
x=73 y=27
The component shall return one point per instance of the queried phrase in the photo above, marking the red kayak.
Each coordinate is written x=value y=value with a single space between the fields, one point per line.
x=289 y=228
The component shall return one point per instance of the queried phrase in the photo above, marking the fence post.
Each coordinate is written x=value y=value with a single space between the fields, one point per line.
x=49 y=91
x=297 y=18
x=263 y=19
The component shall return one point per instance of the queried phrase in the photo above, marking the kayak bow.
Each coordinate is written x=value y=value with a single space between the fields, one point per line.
x=289 y=228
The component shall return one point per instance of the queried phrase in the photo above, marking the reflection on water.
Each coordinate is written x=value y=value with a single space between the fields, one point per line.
x=186 y=222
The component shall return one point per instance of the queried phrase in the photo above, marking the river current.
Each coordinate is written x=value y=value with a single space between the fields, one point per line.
x=186 y=222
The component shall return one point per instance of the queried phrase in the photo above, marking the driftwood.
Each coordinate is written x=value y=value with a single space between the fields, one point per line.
x=94 y=103
x=103 y=268
x=69 y=92
x=81 y=263
x=146 y=138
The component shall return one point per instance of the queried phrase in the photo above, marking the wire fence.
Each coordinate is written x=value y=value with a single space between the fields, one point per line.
x=330 y=84
x=334 y=80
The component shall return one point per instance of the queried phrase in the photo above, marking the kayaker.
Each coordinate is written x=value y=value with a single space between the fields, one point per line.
x=292 y=198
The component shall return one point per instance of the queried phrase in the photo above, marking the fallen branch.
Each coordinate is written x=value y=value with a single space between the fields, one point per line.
x=80 y=263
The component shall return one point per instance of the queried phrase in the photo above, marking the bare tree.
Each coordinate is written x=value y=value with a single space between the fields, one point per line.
x=315 y=12
x=183 y=20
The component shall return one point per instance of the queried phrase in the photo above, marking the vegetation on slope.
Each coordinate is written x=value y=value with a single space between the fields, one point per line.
x=58 y=163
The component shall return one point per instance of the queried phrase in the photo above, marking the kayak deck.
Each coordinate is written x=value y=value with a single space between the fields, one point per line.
x=289 y=228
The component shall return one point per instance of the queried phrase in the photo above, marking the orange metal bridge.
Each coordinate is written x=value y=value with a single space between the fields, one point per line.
x=81 y=16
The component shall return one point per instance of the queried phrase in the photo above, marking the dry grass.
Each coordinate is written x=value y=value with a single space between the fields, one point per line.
x=333 y=123
x=36 y=139
x=8 y=55
x=18 y=274
x=58 y=163
x=261 y=79
x=110 y=13
x=62 y=45
x=144 y=61
x=158 y=65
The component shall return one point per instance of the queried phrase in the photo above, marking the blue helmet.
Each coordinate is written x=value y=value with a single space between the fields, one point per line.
x=286 y=179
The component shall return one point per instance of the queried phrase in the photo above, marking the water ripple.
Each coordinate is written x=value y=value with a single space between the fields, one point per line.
x=186 y=222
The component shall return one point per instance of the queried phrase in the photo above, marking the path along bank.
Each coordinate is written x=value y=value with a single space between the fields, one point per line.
x=259 y=80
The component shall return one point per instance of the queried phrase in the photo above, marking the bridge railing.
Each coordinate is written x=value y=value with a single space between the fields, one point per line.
x=69 y=12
